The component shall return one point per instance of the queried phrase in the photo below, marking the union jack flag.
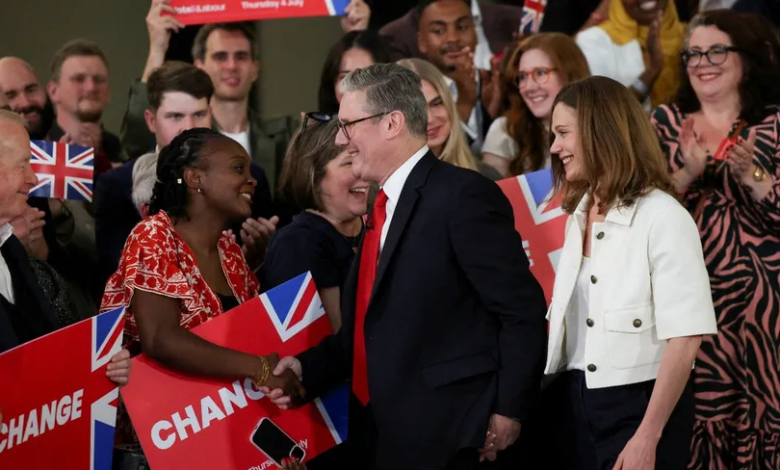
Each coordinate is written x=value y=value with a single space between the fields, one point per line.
x=540 y=220
x=64 y=171
x=531 y=19
x=293 y=307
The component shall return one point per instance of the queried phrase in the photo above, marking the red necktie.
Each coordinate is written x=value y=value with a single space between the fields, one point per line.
x=369 y=257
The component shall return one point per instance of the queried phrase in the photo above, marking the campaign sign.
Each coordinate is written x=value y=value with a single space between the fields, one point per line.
x=214 y=11
x=58 y=407
x=541 y=222
x=200 y=423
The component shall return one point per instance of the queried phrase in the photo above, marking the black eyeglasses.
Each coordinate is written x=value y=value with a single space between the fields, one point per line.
x=715 y=55
x=315 y=116
x=344 y=126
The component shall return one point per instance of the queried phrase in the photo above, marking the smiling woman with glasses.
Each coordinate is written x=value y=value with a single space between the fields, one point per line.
x=722 y=142
x=539 y=67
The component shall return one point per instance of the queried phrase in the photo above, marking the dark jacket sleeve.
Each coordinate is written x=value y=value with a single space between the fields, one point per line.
x=326 y=365
x=135 y=135
x=491 y=254
x=401 y=35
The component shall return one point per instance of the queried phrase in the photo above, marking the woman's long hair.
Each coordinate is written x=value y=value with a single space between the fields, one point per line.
x=619 y=149
x=456 y=148
x=527 y=131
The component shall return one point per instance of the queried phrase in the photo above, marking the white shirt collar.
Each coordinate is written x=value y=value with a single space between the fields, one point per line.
x=395 y=183
x=6 y=230
x=476 y=12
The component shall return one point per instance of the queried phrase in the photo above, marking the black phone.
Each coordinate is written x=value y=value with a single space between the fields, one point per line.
x=275 y=443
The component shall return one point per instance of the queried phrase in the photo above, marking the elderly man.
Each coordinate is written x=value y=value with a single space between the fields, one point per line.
x=25 y=314
x=443 y=329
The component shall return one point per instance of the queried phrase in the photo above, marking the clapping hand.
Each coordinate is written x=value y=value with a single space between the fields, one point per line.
x=292 y=463
x=693 y=155
x=740 y=157
x=255 y=235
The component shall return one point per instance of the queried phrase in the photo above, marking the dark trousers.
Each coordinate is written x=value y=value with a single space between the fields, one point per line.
x=125 y=460
x=604 y=420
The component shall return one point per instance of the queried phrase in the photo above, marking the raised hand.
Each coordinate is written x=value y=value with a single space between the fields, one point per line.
x=160 y=27
x=255 y=235
x=740 y=157
x=356 y=16
x=28 y=228
x=693 y=155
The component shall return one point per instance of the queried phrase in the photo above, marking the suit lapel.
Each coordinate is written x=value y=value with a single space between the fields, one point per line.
x=401 y=215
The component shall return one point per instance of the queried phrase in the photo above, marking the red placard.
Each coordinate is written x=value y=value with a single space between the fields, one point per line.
x=58 y=407
x=540 y=221
x=196 y=423
x=215 y=11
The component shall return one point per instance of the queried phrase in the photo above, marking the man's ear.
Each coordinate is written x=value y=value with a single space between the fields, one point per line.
x=151 y=121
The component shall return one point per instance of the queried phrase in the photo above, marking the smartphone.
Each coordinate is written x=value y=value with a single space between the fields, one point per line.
x=275 y=443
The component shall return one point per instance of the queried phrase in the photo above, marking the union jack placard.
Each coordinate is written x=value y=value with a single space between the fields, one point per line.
x=540 y=220
x=59 y=409
x=64 y=171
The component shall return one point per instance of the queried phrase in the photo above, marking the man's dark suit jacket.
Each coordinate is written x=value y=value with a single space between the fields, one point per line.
x=116 y=215
x=498 y=21
x=16 y=257
x=455 y=328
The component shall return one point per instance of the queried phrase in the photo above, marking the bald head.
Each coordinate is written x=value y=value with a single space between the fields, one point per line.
x=16 y=175
x=21 y=90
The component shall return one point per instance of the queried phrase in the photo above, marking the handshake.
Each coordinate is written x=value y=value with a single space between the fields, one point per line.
x=280 y=381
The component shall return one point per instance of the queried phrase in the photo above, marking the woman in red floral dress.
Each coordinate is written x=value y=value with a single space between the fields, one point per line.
x=179 y=268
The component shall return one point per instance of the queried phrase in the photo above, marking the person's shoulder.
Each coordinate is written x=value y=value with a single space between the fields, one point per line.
x=658 y=206
x=463 y=182
x=592 y=36
x=156 y=227
x=408 y=20
x=306 y=230
x=666 y=114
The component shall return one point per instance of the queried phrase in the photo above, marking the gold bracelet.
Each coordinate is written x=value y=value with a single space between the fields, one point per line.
x=265 y=372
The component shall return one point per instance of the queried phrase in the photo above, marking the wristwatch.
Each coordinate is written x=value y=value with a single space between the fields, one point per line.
x=759 y=174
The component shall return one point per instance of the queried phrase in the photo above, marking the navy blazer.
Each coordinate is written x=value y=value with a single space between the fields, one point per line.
x=455 y=328
x=17 y=257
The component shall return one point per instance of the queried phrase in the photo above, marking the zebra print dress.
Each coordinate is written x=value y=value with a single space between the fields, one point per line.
x=737 y=374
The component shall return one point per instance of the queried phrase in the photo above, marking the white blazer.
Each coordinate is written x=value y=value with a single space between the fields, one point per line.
x=649 y=283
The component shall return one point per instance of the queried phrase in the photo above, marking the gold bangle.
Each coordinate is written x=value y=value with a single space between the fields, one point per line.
x=265 y=372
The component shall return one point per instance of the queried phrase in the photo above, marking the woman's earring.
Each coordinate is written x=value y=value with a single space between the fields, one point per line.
x=200 y=191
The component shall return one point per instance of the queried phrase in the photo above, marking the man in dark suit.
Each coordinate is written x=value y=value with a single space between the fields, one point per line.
x=178 y=96
x=25 y=314
x=443 y=331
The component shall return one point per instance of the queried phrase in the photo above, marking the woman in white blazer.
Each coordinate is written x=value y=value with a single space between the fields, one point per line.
x=632 y=296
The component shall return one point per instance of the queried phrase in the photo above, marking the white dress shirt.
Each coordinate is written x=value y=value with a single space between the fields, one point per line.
x=649 y=283
x=6 y=284
x=482 y=54
x=393 y=188
x=576 y=321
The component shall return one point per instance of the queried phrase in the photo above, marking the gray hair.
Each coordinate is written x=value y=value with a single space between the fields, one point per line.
x=390 y=87
x=144 y=178
x=11 y=117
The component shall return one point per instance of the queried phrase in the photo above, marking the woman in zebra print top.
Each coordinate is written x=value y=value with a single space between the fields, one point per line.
x=722 y=138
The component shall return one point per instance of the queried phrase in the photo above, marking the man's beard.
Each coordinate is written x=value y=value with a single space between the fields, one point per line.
x=89 y=116
x=40 y=130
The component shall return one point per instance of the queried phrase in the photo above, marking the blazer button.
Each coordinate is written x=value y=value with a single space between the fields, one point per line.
x=589 y=322
x=591 y=367
x=594 y=279
x=637 y=323
x=600 y=235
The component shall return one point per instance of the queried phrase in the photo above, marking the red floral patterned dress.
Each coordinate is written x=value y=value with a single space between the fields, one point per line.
x=156 y=259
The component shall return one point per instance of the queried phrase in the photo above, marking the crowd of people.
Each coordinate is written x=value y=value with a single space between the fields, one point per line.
x=660 y=125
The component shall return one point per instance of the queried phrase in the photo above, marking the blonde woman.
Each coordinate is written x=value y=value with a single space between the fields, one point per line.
x=446 y=138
